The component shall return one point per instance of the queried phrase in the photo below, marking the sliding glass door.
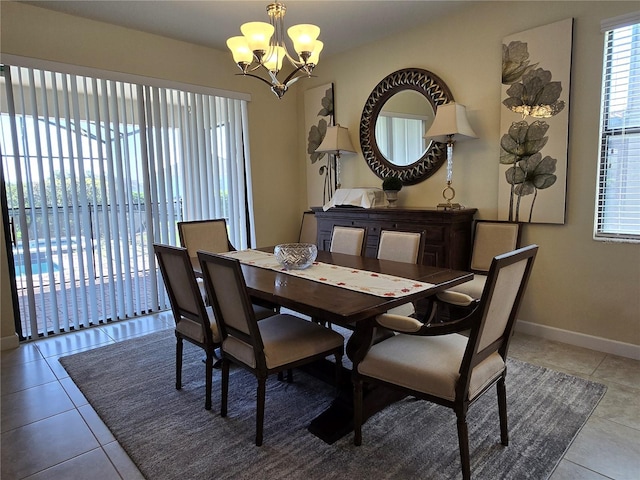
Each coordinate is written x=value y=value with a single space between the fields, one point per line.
x=95 y=172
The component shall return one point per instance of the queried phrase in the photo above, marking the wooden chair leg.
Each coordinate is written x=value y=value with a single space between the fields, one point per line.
x=357 y=412
x=289 y=376
x=338 y=357
x=224 y=387
x=502 y=408
x=463 y=440
x=178 y=363
x=260 y=410
x=208 y=380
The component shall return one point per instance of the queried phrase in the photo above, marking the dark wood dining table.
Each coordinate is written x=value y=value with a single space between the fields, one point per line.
x=348 y=308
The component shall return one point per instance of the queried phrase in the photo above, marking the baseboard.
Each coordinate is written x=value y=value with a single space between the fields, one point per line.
x=9 y=343
x=580 y=339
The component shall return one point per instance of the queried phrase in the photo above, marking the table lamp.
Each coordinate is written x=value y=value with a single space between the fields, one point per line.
x=451 y=119
x=335 y=142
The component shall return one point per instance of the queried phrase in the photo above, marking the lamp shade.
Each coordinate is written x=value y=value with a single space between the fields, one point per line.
x=336 y=141
x=451 y=119
x=315 y=55
x=304 y=37
x=273 y=60
x=258 y=35
x=240 y=50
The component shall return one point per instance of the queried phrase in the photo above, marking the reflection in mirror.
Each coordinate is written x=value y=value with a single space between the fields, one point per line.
x=421 y=160
x=400 y=127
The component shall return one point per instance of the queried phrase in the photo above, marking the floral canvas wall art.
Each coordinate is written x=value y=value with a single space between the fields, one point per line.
x=534 y=124
x=319 y=114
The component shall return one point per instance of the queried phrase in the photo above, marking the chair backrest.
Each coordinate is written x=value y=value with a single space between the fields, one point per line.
x=490 y=239
x=226 y=287
x=399 y=246
x=499 y=305
x=184 y=294
x=348 y=240
x=308 y=228
x=205 y=235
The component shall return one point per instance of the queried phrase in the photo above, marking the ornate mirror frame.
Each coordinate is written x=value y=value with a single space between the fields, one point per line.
x=435 y=91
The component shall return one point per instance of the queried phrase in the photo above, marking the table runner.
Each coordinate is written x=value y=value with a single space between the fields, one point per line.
x=378 y=284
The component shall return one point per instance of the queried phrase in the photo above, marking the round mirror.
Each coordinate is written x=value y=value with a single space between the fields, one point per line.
x=394 y=119
x=400 y=127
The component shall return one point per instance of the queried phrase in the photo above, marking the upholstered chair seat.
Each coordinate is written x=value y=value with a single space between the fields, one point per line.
x=429 y=365
x=193 y=329
x=286 y=339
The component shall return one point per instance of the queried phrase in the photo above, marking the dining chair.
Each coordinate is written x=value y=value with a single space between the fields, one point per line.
x=434 y=362
x=347 y=240
x=207 y=235
x=400 y=246
x=194 y=321
x=212 y=236
x=273 y=345
x=308 y=228
x=491 y=238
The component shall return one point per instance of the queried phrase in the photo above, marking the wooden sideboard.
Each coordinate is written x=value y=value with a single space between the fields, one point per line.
x=447 y=232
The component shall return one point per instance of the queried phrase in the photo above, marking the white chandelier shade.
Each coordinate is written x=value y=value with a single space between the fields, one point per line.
x=262 y=46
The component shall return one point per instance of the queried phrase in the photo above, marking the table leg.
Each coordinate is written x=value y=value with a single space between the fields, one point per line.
x=337 y=420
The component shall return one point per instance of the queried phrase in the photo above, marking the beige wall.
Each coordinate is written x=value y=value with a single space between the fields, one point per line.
x=578 y=284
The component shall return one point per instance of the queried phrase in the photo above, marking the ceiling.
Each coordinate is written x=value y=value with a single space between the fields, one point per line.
x=344 y=24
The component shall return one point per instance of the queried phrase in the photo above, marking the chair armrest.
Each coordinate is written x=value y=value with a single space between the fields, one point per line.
x=411 y=326
x=455 y=298
x=399 y=323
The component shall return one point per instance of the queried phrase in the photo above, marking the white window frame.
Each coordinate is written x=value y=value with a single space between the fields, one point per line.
x=617 y=207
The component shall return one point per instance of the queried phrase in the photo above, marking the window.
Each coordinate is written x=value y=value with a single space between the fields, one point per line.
x=95 y=172
x=618 y=197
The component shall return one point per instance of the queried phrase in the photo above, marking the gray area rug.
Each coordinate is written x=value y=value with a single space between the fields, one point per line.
x=169 y=434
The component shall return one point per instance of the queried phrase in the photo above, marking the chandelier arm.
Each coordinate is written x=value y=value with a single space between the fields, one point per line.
x=256 y=76
x=291 y=75
x=258 y=65
x=294 y=63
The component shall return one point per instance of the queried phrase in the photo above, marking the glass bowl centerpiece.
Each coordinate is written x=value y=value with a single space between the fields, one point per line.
x=295 y=256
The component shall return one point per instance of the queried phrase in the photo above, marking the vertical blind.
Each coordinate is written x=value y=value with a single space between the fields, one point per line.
x=96 y=171
x=618 y=196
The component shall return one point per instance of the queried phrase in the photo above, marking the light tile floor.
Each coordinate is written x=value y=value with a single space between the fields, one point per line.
x=49 y=431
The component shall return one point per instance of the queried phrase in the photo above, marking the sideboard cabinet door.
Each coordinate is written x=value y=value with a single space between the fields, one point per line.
x=447 y=232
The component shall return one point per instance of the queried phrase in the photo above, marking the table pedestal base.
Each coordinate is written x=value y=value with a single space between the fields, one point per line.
x=337 y=420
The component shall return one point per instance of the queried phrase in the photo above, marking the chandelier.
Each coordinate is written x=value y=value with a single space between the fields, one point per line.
x=262 y=48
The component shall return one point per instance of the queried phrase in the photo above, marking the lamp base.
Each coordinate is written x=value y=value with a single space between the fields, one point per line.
x=449 y=193
x=449 y=206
